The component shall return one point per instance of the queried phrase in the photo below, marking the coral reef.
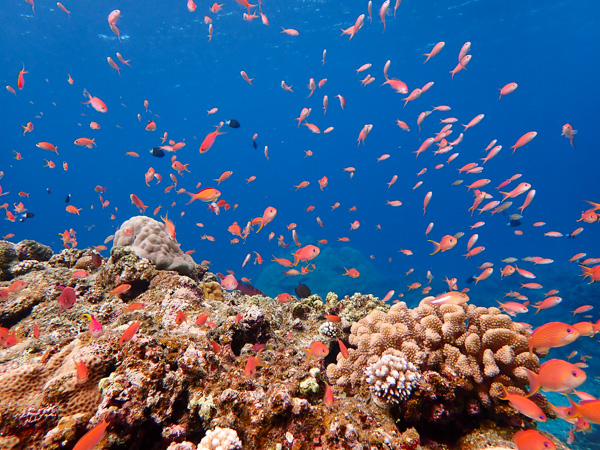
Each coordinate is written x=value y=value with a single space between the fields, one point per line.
x=220 y=439
x=149 y=239
x=464 y=354
x=206 y=367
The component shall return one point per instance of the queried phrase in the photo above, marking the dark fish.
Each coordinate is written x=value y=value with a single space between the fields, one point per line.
x=233 y=123
x=26 y=215
x=248 y=289
x=48 y=190
x=254 y=144
x=470 y=280
x=302 y=291
x=157 y=151
x=68 y=198
x=514 y=223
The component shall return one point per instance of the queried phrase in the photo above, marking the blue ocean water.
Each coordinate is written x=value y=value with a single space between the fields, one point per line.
x=548 y=48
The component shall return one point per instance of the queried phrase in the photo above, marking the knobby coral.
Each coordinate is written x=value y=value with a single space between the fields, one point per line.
x=464 y=355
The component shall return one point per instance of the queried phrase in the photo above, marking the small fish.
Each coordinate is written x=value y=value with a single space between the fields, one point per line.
x=120 y=289
x=532 y=440
x=317 y=350
x=67 y=298
x=129 y=332
x=302 y=291
x=523 y=405
x=555 y=375
x=157 y=152
x=92 y=438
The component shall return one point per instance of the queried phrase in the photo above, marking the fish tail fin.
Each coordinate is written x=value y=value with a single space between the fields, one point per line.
x=260 y=228
x=436 y=247
x=309 y=354
x=505 y=194
x=504 y=394
x=534 y=382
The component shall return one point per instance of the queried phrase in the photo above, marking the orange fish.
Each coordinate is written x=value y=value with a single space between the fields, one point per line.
x=353 y=273
x=72 y=209
x=120 y=289
x=209 y=140
x=569 y=133
x=306 y=253
x=47 y=146
x=555 y=375
x=447 y=243
x=267 y=217
x=317 y=349
x=525 y=139
x=552 y=335
x=532 y=440
x=524 y=405
x=137 y=202
x=129 y=332
x=93 y=437
x=85 y=142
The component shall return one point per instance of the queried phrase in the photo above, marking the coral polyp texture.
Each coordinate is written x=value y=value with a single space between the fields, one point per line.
x=220 y=439
x=458 y=358
x=391 y=378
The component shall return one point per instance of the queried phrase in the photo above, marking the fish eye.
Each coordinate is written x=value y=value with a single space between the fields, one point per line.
x=575 y=373
x=542 y=417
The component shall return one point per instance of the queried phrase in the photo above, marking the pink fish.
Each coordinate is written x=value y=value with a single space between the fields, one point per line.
x=67 y=298
x=229 y=283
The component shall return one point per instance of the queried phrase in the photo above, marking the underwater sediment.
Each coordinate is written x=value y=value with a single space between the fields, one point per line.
x=174 y=361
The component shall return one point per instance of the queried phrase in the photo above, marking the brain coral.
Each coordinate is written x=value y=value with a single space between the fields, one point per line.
x=469 y=349
x=149 y=239
x=35 y=387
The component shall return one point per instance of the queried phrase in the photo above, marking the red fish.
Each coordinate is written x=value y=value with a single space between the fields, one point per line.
x=92 y=438
x=67 y=298
x=129 y=332
x=96 y=103
x=21 y=78
x=209 y=140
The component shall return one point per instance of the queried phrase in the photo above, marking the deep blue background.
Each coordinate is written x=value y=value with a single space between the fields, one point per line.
x=549 y=48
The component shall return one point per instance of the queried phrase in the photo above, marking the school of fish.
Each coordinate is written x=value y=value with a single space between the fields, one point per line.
x=437 y=135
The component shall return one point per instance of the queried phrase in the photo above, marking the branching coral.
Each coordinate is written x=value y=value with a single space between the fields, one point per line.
x=474 y=349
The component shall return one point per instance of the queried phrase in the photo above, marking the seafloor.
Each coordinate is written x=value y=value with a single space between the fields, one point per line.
x=244 y=369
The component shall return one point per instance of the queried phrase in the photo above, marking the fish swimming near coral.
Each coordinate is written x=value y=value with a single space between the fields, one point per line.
x=303 y=291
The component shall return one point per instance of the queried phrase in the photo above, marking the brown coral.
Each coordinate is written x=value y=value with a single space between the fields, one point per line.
x=474 y=349
x=33 y=387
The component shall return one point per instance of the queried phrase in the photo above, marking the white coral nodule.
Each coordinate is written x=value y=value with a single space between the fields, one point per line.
x=392 y=378
x=220 y=439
